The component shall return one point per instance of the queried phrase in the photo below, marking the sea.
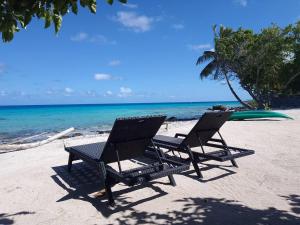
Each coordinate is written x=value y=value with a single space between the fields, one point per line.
x=19 y=122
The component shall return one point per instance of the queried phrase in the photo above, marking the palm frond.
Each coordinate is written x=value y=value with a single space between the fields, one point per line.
x=207 y=55
x=217 y=73
x=209 y=69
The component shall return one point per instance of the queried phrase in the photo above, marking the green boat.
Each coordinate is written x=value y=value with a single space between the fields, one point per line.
x=243 y=115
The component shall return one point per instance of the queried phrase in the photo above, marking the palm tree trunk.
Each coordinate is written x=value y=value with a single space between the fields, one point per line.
x=290 y=81
x=255 y=98
x=235 y=95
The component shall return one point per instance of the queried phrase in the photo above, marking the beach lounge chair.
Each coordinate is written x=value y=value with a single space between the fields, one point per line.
x=128 y=139
x=201 y=135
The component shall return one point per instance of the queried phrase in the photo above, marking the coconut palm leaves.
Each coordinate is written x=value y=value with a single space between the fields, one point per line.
x=16 y=14
x=216 y=68
x=266 y=64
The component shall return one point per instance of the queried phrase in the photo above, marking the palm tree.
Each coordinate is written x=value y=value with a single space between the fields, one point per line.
x=216 y=68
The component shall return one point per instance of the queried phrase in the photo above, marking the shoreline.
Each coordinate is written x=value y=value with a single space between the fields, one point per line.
x=94 y=131
x=25 y=121
x=78 y=132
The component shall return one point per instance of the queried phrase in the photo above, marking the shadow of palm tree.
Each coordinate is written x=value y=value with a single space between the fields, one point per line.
x=5 y=220
x=207 y=211
x=211 y=211
x=294 y=201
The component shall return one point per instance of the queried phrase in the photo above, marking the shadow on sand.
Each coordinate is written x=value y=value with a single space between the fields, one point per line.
x=6 y=218
x=212 y=211
x=227 y=170
x=84 y=180
x=294 y=201
x=84 y=183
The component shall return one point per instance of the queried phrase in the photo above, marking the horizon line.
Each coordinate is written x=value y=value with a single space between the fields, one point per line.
x=128 y=103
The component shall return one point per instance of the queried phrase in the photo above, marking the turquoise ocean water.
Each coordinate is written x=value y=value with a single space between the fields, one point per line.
x=22 y=121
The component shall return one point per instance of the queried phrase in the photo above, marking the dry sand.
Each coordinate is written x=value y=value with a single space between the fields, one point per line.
x=265 y=189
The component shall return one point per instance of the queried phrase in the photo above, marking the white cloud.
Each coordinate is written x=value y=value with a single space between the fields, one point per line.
x=91 y=93
x=199 y=47
x=3 y=93
x=114 y=62
x=105 y=76
x=137 y=23
x=81 y=36
x=102 y=76
x=98 y=38
x=68 y=91
x=178 y=26
x=125 y=92
x=57 y=91
x=131 y=6
x=101 y=39
x=14 y=94
x=242 y=2
x=108 y=93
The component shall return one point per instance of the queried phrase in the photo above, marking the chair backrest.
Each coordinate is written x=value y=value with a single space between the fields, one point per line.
x=129 y=137
x=206 y=128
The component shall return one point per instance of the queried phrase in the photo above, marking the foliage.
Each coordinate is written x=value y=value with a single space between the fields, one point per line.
x=16 y=14
x=253 y=104
x=217 y=68
x=266 y=64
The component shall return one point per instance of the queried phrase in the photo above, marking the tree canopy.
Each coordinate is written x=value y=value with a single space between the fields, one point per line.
x=266 y=64
x=17 y=14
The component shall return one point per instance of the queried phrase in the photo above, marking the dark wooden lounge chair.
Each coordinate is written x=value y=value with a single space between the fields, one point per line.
x=128 y=139
x=201 y=135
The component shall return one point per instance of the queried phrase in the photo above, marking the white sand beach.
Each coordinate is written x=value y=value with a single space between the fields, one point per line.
x=36 y=189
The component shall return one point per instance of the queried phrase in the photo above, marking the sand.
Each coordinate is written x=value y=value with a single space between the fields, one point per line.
x=36 y=189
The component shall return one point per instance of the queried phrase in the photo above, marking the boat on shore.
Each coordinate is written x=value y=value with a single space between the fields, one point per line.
x=257 y=114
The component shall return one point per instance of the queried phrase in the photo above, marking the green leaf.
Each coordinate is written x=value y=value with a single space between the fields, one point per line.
x=16 y=14
x=110 y=2
x=74 y=7
x=7 y=36
x=83 y=3
x=21 y=21
x=93 y=8
x=64 y=10
x=57 y=19
x=27 y=19
x=47 y=20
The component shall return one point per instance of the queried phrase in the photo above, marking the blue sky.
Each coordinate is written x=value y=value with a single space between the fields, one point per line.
x=144 y=51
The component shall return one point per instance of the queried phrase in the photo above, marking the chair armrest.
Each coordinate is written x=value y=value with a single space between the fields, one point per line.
x=215 y=140
x=221 y=141
x=180 y=135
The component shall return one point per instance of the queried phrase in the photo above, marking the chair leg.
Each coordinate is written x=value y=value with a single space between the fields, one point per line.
x=197 y=169
x=71 y=158
x=109 y=193
x=172 y=180
x=194 y=162
x=234 y=163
